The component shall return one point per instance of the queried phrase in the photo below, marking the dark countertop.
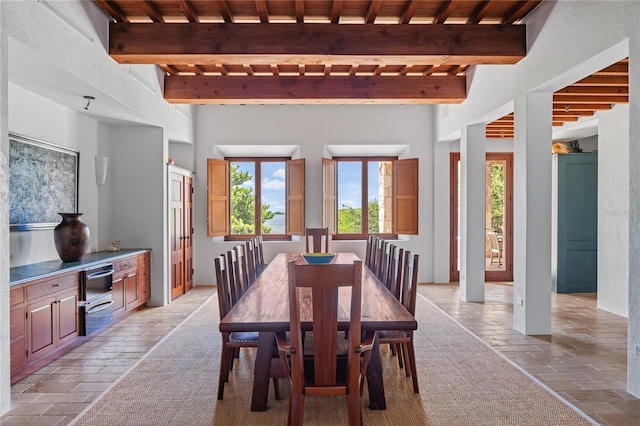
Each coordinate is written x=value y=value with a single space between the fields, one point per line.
x=21 y=274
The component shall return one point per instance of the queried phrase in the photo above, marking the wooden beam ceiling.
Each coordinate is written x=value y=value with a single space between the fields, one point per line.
x=355 y=51
x=598 y=92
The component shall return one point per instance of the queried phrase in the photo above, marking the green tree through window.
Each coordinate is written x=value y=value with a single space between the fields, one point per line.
x=243 y=201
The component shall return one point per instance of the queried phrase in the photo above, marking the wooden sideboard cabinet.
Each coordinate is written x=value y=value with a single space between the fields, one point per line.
x=44 y=314
x=44 y=318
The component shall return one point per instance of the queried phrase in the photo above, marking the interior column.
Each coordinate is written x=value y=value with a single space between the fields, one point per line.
x=633 y=348
x=532 y=214
x=472 y=212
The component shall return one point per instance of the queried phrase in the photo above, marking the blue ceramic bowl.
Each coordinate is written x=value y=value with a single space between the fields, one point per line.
x=318 y=257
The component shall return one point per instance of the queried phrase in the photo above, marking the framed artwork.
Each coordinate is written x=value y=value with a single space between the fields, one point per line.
x=43 y=181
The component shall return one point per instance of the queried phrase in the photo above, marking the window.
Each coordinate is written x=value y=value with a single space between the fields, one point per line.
x=255 y=196
x=370 y=195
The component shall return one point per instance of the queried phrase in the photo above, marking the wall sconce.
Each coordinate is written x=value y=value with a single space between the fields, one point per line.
x=101 y=169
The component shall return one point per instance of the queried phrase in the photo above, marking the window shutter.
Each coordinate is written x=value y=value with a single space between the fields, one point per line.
x=405 y=196
x=218 y=198
x=329 y=206
x=295 y=197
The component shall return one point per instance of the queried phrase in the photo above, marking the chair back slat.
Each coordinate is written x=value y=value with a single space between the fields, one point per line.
x=317 y=240
x=222 y=283
x=379 y=257
x=396 y=266
x=386 y=257
x=410 y=283
x=243 y=276
x=235 y=284
x=249 y=250
x=367 y=256
x=259 y=254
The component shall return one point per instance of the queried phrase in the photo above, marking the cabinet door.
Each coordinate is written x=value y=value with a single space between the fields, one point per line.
x=67 y=310
x=118 y=294
x=41 y=328
x=131 y=290
x=18 y=321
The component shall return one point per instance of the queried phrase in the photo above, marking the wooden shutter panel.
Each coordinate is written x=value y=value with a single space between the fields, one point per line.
x=218 y=198
x=295 y=197
x=405 y=196
x=329 y=207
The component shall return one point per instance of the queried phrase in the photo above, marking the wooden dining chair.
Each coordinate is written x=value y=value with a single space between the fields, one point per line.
x=315 y=373
x=370 y=250
x=379 y=256
x=259 y=254
x=232 y=342
x=394 y=275
x=404 y=338
x=249 y=250
x=319 y=238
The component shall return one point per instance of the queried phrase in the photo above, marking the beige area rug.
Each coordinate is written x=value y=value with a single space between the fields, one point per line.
x=462 y=382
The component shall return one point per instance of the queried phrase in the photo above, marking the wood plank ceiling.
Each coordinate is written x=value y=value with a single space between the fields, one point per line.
x=598 y=92
x=316 y=51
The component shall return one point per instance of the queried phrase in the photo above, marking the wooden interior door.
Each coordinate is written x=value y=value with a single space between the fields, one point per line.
x=176 y=233
x=500 y=267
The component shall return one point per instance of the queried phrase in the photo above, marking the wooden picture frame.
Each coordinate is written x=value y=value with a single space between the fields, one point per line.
x=43 y=181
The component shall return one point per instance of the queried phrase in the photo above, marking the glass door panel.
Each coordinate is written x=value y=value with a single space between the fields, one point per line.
x=498 y=217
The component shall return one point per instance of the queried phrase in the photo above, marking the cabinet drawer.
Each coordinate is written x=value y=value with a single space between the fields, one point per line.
x=16 y=296
x=63 y=282
x=125 y=265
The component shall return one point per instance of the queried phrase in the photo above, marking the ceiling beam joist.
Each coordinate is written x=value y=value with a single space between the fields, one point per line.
x=184 y=43
x=313 y=89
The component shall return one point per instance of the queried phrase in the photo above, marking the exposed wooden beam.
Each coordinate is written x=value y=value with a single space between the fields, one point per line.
x=113 y=10
x=408 y=12
x=313 y=89
x=594 y=90
x=224 y=11
x=373 y=11
x=336 y=10
x=261 y=6
x=264 y=44
x=603 y=80
x=299 y=11
x=586 y=99
x=561 y=106
x=186 y=8
x=445 y=11
x=479 y=13
x=151 y=10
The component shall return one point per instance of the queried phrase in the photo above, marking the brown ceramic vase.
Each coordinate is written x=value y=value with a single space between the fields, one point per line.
x=71 y=237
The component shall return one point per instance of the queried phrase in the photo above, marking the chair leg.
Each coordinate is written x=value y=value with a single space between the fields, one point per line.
x=296 y=409
x=398 y=347
x=412 y=363
x=354 y=409
x=407 y=361
x=225 y=356
x=276 y=389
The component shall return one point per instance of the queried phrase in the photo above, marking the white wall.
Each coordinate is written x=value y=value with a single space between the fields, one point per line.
x=613 y=211
x=311 y=128
x=138 y=215
x=37 y=117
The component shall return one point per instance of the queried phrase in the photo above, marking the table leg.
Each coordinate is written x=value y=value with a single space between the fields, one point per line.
x=374 y=378
x=262 y=371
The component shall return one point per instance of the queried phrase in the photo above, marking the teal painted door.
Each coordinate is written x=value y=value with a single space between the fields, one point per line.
x=577 y=223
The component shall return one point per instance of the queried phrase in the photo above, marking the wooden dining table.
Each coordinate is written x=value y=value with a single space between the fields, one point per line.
x=265 y=308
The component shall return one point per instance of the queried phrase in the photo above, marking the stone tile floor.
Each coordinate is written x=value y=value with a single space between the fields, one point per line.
x=583 y=361
x=58 y=392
